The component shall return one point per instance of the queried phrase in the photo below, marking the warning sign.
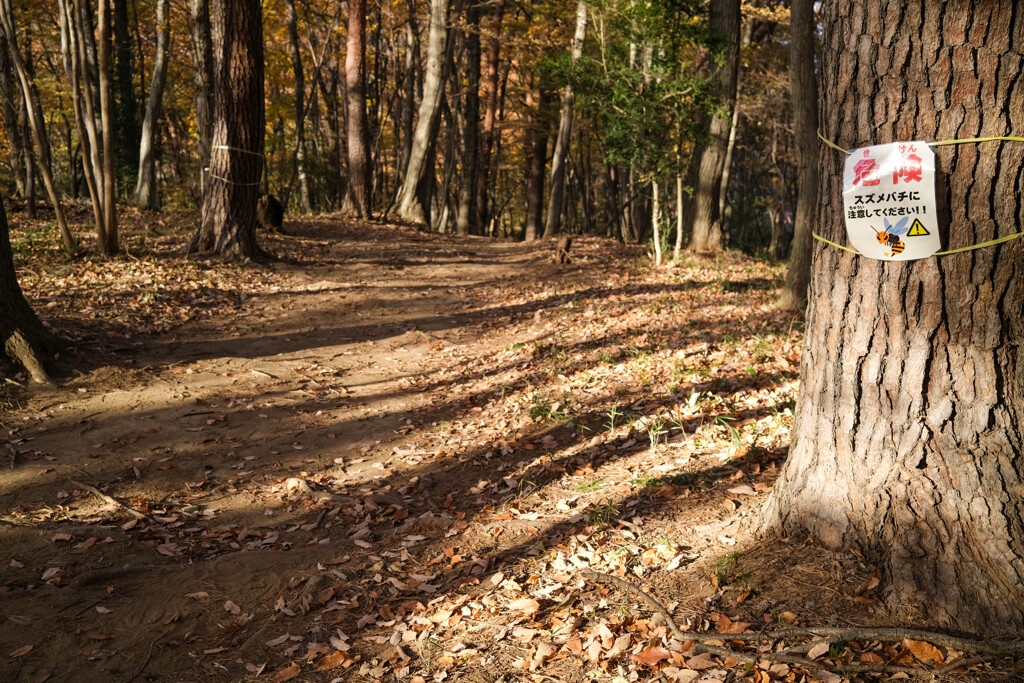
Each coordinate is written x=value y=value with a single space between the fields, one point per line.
x=889 y=201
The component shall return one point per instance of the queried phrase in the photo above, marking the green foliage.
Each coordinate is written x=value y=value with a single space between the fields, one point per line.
x=642 y=88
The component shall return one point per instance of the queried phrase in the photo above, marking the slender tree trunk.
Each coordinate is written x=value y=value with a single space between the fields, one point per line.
x=465 y=219
x=124 y=107
x=359 y=200
x=23 y=338
x=707 y=225
x=108 y=241
x=414 y=197
x=483 y=177
x=412 y=61
x=537 y=154
x=909 y=428
x=146 y=194
x=561 y=153
x=34 y=114
x=679 y=220
x=202 y=61
x=655 y=220
x=229 y=205
x=805 y=126
x=305 y=206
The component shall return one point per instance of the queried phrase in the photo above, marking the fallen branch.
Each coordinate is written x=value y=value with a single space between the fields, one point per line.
x=1004 y=648
x=107 y=499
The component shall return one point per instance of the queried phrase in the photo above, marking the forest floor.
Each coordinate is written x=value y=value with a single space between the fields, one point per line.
x=393 y=456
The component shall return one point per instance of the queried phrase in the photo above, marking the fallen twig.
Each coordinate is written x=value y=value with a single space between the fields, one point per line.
x=107 y=499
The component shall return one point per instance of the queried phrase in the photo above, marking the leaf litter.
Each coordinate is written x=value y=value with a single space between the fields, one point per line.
x=412 y=457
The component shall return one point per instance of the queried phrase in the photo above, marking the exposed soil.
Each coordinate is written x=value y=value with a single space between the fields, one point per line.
x=391 y=455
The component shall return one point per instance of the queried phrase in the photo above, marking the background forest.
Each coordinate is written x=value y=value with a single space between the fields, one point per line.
x=643 y=81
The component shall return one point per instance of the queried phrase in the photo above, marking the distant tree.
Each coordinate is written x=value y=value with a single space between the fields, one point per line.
x=710 y=158
x=466 y=216
x=805 y=130
x=909 y=430
x=359 y=198
x=202 y=78
x=236 y=156
x=415 y=195
x=554 y=221
x=23 y=338
x=34 y=113
x=299 y=158
x=146 y=194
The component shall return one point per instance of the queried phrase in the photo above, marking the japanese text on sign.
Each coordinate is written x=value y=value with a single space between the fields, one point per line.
x=889 y=201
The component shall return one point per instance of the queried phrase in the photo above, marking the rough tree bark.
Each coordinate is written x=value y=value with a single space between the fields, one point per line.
x=359 y=198
x=236 y=162
x=11 y=103
x=561 y=153
x=706 y=234
x=146 y=195
x=909 y=428
x=465 y=218
x=805 y=127
x=108 y=241
x=413 y=201
x=23 y=338
x=37 y=125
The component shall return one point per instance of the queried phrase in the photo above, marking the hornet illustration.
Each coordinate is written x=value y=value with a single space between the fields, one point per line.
x=891 y=235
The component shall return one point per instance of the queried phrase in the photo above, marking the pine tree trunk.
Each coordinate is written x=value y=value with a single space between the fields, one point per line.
x=707 y=224
x=561 y=153
x=358 y=201
x=415 y=195
x=909 y=427
x=146 y=194
x=805 y=127
x=229 y=205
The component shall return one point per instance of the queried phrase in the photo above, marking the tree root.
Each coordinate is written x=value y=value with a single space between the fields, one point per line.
x=107 y=499
x=982 y=649
x=18 y=348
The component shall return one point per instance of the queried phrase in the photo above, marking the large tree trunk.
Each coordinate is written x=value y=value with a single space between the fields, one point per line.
x=10 y=102
x=146 y=195
x=236 y=162
x=707 y=222
x=909 y=428
x=805 y=126
x=22 y=336
x=414 y=198
x=34 y=114
x=359 y=199
x=561 y=153
x=465 y=218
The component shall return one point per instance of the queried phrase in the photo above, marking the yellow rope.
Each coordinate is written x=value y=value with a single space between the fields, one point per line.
x=837 y=246
x=230 y=182
x=972 y=247
x=238 y=149
x=939 y=143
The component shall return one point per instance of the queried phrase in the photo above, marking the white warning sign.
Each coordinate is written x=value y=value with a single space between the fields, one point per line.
x=889 y=201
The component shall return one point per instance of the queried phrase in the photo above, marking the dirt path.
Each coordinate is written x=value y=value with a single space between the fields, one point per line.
x=373 y=453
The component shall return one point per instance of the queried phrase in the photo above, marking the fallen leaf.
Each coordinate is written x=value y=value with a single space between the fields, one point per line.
x=870 y=658
x=287 y=673
x=528 y=606
x=232 y=607
x=652 y=655
x=22 y=651
x=818 y=650
x=926 y=652
x=16 y=564
x=277 y=641
x=701 y=662
x=331 y=661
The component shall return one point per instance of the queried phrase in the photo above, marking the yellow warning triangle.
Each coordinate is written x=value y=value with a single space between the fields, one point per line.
x=918 y=229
